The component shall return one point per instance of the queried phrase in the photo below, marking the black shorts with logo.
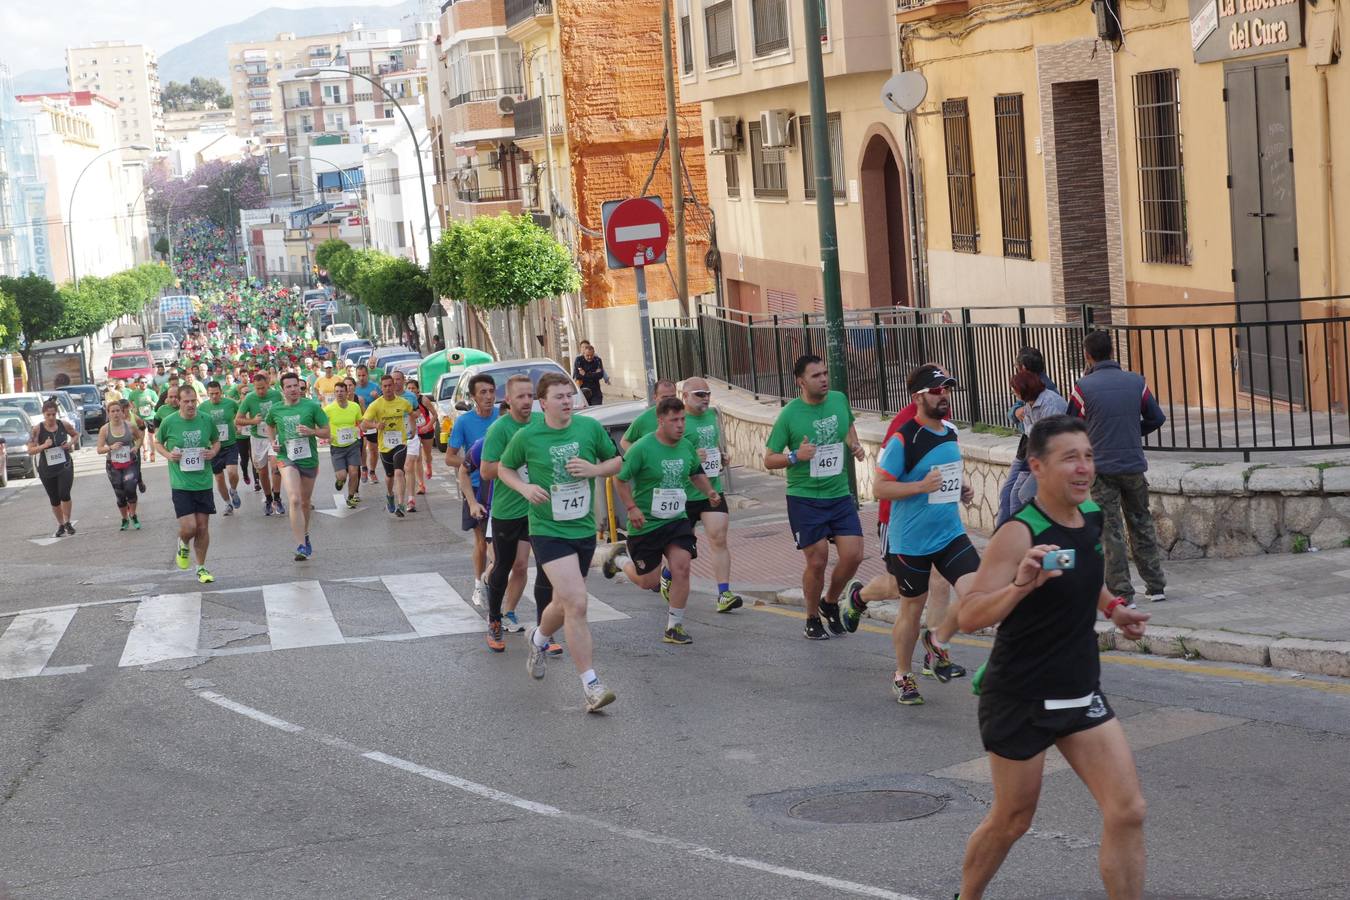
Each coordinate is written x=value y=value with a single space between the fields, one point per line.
x=228 y=456
x=187 y=503
x=957 y=559
x=508 y=532
x=646 y=550
x=1018 y=729
x=695 y=509
x=394 y=460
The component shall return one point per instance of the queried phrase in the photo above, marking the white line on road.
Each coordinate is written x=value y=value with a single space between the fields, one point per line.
x=50 y=609
x=30 y=640
x=553 y=812
x=432 y=606
x=596 y=609
x=167 y=626
x=298 y=615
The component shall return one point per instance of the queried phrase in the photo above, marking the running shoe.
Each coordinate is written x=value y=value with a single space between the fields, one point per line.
x=126 y=523
x=830 y=612
x=61 y=530
x=677 y=635
x=309 y=547
x=399 y=513
x=1160 y=597
x=937 y=663
x=257 y=486
x=480 y=592
x=554 y=649
x=389 y=503
x=494 y=638
x=203 y=576
x=814 y=630
x=247 y=479
x=70 y=528
x=727 y=601
x=182 y=557
x=234 y=499
x=609 y=565
x=351 y=503
x=534 y=662
x=510 y=624
x=140 y=486
x=136 y=523
x=337 y=485
x=906 y=691
x=412 y=505
x=665 y=589
x=423 y=490
x=267 y=507
x=851 y=606
x=301 y=554
x=280 y=507
x=229 y=510
x=597 y=696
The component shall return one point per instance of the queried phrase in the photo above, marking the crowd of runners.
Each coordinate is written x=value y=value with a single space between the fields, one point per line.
x=255 y=403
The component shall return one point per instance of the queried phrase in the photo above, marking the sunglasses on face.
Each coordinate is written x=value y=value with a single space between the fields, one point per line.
x=935 y=391
x=702 y=395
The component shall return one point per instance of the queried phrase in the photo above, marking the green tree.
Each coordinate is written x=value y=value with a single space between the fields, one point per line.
x=162 y=247
x=39 y=309
x=399 y=288
x=325 y=253
x=9 y=321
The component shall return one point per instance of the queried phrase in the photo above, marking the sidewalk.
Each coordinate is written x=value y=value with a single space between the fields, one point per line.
x=1289 y=611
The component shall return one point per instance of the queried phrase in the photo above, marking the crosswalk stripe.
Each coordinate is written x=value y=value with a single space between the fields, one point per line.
x=432 y=606
x=166 y=626
x=30 y=640
x=596 y=609
x=298 y=615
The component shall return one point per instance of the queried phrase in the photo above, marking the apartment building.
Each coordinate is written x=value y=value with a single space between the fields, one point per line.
x=591 y=121
x=127 y=74
x=22 y=192
x=256 y=70
x=744 y=62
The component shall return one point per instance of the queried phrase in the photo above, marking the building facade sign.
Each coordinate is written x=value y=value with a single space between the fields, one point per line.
x=1228 y=29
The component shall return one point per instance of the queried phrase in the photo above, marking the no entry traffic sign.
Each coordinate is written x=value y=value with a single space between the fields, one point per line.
x=636 y=232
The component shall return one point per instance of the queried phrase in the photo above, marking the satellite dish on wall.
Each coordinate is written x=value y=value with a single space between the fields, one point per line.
x=904 y=92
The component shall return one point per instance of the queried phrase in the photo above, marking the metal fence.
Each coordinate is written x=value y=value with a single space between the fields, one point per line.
x=1228 y=379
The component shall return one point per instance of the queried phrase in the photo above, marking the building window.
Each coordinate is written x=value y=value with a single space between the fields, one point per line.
x=332 y=93
x=719 y=26
x=733 y=164
x=686 y=44
x=824 y=22
x=1162 y=183
x=960 y=176
x=768 y=166
x=835 y=123
x=1012 y=176
x=770 y=23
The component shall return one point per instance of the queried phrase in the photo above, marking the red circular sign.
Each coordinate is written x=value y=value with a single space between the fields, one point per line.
x=637 y=232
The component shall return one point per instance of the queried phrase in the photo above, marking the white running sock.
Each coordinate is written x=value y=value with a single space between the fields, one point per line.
x=587 y=677
x=540 y=639
x=674 y=617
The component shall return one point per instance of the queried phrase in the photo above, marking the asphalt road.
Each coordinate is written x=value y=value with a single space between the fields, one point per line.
x=424 y=766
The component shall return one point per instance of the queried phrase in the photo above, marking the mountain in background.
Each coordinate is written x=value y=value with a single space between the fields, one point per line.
x=205 y=55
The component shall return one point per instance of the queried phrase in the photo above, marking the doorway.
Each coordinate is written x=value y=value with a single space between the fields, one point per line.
x=883 y=199
x=1079 y=174
x=1265 y=234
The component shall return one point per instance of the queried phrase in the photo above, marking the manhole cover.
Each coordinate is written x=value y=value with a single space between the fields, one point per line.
x=867 y=807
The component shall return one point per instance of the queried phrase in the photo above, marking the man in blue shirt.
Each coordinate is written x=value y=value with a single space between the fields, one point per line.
x=920 y=471
x=471 y=427
x=366 y=392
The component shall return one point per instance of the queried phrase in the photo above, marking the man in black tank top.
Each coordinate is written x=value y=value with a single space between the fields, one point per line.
x=1040 y=687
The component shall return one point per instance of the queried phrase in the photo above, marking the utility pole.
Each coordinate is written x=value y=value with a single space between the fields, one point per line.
x=676 y=172
x=829 y=237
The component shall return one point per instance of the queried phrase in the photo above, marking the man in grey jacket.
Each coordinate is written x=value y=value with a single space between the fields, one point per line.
x=1120 y=410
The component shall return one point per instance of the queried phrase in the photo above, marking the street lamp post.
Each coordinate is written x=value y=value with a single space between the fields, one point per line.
x=361 y=197
x=421 y=171
x=70 y=214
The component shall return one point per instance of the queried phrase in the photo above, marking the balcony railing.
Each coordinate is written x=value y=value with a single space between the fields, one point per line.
x=487 y=195
x=529 y=117
x=518 y=11
x=485 y=94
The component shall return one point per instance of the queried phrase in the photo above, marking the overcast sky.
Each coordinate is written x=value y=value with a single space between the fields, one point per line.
x=34 y=34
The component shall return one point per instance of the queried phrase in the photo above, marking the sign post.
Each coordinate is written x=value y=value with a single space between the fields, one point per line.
x=636 y=234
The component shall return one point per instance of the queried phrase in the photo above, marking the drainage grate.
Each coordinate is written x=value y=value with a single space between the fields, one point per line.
x=867 y=807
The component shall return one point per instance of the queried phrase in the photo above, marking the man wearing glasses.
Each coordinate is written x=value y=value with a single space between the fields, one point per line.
x=703 y=429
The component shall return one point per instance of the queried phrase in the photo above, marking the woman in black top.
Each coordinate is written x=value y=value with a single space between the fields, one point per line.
x=1040 y=687
x=50 y=442
x=589 y=370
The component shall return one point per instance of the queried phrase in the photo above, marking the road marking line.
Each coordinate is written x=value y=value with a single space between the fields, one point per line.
x=1165 y=725
x=432 y=606
x=167 y=626
x=553 y=812
x=30 y=640
x=47 y=609
x=298 y=615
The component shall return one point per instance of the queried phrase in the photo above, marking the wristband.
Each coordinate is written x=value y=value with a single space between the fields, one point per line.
x=792 y=457
x=632 y=506
x=1111 y=607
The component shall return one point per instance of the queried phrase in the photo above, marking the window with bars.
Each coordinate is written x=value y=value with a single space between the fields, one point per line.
x=1162 y=182
x=1010 y=134
x=824 y=21
x=835 y=123
x=768 y=166
x=733 y=164
x=686 y=44
x=960 y=176
x=719 y=26
x=770 y=22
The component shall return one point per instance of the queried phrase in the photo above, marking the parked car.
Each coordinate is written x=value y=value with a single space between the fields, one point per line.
x=31 y=403
x=357 y=357
x=90 y=400
x=70 y=411
x=163 y=349
x=338 y=332
x=347 y=347
x=125 y=365
x=312 y=297
x=407 y=366
x=15 y=427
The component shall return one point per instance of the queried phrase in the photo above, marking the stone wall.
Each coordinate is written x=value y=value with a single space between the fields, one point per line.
x=1200 y=509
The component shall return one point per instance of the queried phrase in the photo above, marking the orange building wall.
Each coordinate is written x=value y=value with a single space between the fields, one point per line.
x=616 y=111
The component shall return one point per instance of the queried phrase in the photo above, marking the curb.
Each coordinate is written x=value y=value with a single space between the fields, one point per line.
x=1297 y=654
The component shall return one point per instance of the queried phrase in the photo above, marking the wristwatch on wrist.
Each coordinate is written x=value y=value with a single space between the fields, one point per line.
x=792 y=457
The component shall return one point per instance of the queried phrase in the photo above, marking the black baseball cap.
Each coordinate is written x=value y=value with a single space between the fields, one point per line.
x=929 y=376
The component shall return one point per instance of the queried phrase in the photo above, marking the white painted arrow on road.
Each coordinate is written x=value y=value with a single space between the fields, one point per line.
x=340 y=510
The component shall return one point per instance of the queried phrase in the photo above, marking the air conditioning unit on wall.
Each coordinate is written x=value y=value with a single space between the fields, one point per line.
x=775 y=128
x=506 y=105
x=724 y=134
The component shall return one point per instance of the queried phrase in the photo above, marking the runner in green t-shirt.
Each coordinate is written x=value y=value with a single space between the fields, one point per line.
x=295 y=423
x=645 y=423
x=703 y=429
x=653 y=484
x=168 y=405
x=222 y=411
x=810 y=438
x=143 y=401
x=563 y=455
x=509 y=528
x=252 y=409
x=188 y=441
